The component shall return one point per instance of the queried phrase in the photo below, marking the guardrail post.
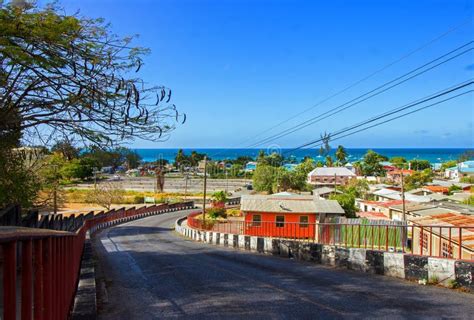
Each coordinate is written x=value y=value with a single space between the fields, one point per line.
x=9 y=280
x=38 y=285
x=47 y=278
x=26 y=279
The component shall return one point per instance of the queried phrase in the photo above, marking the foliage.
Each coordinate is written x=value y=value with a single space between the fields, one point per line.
x=215 y=213
x=219 y=196
x=418 y=179
x=454 y=188
x=370 y=165
x=50 y=178
x=470 y=200
x=419 y=164
x=78 y=169
x=66 y=148
x=399 y=162
x=112 y=157
x=72 y=76
x=181 y=160
x=271 y=179
x=138 y=199
x=347 y=202
x=468 y=179
x=357 y=187
x=18 y=183
x=448 y=164
x=341 y=155
x=467 y=155
x=264 y=178
x=275 y=159
x=329 y=161
x=300 y=175
x=233 y=213
x=106 y=194
x=242 y=160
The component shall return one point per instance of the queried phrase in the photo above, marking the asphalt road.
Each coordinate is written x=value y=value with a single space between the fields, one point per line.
x=150 y=272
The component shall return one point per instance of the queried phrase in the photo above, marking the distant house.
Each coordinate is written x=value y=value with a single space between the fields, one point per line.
x=325 y=192
x=444 y=241
x=250 y=166
x=444 y=183
x=387 y=166
x=396 y=175
x=330 y=176
x=290 y=166
x=350 y=167
x=286 y=215
x=463 y=169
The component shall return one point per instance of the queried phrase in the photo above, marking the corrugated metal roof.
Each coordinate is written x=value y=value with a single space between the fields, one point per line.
x=331 y=171
x=289 y=204
x=450 y=220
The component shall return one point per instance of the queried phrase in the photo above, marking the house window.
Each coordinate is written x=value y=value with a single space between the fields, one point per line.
x=280 y=221
x=447 y=250
x=303 y=221
x=425 y=241
x=256 y=220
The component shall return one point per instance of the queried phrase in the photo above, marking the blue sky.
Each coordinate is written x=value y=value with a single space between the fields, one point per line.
x=238 y=67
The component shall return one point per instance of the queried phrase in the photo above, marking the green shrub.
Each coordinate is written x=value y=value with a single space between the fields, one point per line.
x=138 y=199
x=215 y=213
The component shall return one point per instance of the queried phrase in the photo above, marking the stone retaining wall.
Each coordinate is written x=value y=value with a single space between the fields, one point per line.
x=446 y=272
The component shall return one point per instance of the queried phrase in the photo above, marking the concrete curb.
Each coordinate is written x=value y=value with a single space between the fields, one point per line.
x=85 y=303
x=446 y=272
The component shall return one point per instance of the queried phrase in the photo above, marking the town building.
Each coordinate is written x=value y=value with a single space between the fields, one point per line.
x=250 y=166
x=325 y=192
x=286 y=215
x=463 y=169
x=445 y=235
x=396 y=175
x=330 y=176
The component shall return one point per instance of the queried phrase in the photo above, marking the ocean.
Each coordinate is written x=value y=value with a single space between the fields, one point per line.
x=433 y=155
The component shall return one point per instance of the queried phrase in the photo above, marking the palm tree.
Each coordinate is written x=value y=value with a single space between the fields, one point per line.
x=341 y=155
x=329 y=162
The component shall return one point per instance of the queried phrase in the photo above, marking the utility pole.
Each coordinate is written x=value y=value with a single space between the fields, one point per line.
x=186 y=177
x=403 y=196
x=226 y=180
x=55 y=191
x=205 y=188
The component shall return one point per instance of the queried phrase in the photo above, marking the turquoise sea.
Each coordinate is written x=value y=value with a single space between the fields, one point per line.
x=434 y=155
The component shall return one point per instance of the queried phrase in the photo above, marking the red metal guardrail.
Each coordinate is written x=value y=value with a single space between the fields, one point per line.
x=434 y=241
x=48 y=262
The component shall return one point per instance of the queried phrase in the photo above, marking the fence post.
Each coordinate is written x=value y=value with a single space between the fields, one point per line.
x=460 y=243
x=9 y=280
x=26 y=279
x=38 y=285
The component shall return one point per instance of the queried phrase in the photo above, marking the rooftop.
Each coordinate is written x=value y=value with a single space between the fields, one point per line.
x=289 y=204
x=331 y=171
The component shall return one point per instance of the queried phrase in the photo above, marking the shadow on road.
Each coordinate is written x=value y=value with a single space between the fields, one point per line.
x=155 y=274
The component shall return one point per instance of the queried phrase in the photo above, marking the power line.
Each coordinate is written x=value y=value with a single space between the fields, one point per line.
x=391 y=112
x=370 y=94
x=354 y=84
x=405 y=114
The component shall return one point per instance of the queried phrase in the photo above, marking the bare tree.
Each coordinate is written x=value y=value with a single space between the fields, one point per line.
x=106 y=194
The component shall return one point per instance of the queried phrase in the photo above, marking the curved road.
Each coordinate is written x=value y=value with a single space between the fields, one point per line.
x=150 y=272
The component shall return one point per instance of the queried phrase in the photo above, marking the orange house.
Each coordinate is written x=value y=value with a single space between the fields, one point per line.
x=286 y=215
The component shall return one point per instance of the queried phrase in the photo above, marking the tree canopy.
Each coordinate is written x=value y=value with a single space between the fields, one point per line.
x=70 y=75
